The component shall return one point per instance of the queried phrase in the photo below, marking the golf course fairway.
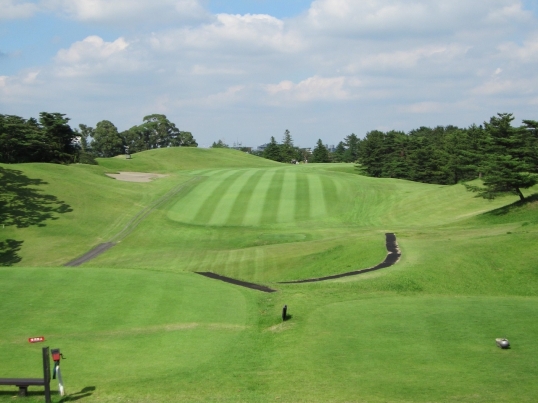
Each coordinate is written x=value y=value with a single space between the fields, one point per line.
x=138 y=324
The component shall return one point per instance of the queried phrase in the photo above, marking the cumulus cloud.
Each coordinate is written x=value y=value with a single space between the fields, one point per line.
x=93 y=55
x=408 y=58
x=244 y=33
x=127 y=11
x=93 y=47
x=525 y=53
x=15 y=9
x=384 y=17
x=314 y=89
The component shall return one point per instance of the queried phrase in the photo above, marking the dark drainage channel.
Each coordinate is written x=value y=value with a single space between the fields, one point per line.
x=393 y=256
x=236 y=282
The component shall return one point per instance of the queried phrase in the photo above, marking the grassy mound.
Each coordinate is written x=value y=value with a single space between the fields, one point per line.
x=166 y=160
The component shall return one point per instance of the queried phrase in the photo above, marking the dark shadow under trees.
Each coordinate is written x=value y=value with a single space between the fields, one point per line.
x=514 y=206
x=23 y=205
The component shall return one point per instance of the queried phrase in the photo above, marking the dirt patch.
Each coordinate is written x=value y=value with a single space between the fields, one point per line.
x=135 y=176
x=280 y=327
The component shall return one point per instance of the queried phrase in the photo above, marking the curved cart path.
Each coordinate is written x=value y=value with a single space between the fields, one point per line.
x=130 y=226
x=393 y=256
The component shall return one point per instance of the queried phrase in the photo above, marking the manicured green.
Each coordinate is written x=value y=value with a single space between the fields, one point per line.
x=137 y=324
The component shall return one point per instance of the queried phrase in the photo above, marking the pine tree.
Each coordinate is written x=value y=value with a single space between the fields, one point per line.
x=287 y=151
x=272 y=151
x=320 y=153
x=507 y=168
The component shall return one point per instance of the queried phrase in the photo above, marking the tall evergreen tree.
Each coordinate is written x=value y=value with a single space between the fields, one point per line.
x=507 y=168
x=272 y=151
x=320 y=153
x=59 y=137
x=287 y=151
x=371 y=155
x=339 y=153
x=352 y=143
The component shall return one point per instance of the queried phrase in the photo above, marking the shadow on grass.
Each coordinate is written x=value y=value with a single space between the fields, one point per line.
x=23 y=205
x=8 y=252
x=514 y=206
x=85 y=392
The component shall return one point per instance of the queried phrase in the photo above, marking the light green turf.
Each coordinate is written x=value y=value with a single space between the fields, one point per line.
x=138 y=325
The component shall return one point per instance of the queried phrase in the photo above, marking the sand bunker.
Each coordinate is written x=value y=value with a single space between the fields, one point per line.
x=135 y=176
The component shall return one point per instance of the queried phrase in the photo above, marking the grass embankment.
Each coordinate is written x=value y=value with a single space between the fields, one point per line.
x=420 y=331
x=166 y=160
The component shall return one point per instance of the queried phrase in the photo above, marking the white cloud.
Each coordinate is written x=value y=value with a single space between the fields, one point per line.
x=15 y=9
x=202 y=70
x=407 y=59
x=514 y=87
x=383 y=63
x=93 y=55
x=241 y=33
x=91 y=48
x=422 y=107
x=127 y=11
x=383 y=17
x=314 y=89
x=527 y=52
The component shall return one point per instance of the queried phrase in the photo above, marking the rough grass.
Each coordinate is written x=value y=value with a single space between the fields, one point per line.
x=137 y=325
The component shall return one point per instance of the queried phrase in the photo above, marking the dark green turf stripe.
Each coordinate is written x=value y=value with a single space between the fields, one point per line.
x=206 y=211
x=330 y=193
x=272 y=200
x=239 y=209
x=302 y=198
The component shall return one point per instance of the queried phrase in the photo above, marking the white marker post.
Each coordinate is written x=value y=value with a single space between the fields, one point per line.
x=56 y=355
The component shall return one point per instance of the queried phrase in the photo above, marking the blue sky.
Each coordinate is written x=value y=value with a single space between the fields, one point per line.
x=276 y=8
x=247 y=70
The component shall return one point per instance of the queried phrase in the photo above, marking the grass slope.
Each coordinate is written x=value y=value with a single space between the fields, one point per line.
x=420 y=331
x=174 y=159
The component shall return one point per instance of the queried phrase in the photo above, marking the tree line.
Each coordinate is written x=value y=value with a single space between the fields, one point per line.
x=505 y=157
x=51 y=139
x=287 y=152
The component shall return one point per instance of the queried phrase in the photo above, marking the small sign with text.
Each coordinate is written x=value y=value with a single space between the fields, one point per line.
x=36 y=339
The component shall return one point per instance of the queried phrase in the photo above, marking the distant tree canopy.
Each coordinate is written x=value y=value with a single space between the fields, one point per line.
x=27 y=140
x=156 y=132
x=220 y=144
x=503 y=156
x=284 y=152
x=51 y=139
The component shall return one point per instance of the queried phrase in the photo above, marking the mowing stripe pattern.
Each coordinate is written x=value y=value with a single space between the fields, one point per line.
x=253 y=197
